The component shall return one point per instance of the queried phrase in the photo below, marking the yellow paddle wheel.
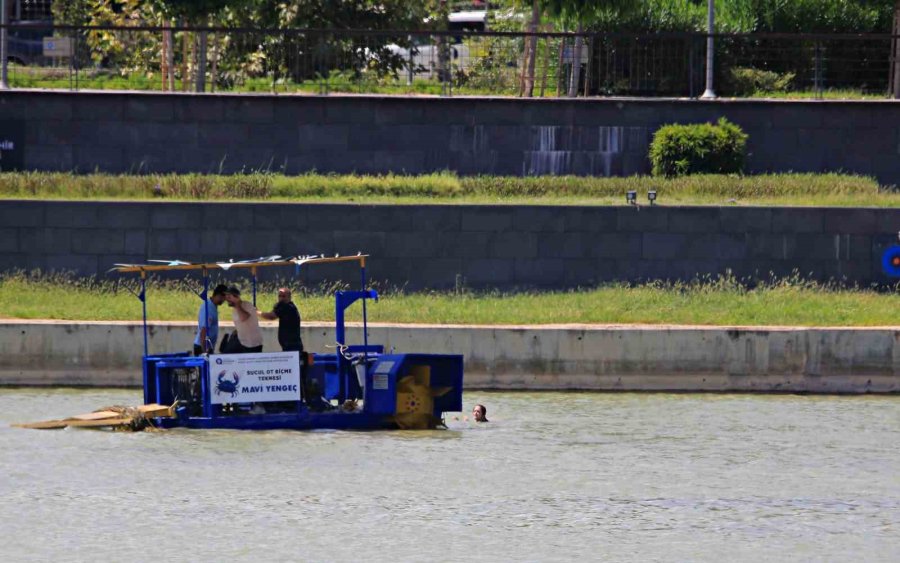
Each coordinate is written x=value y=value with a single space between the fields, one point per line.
x=415 y=400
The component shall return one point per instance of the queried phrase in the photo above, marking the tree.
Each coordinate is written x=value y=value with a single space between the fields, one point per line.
x=581 y=13
x=195 y=12
x=315 y=54
x=531 y=46
x=108 y=48
x=895 y=53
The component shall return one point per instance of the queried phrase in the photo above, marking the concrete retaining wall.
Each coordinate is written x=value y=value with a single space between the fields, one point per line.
x=621 y=358
x=439 y=246
x=132 y=132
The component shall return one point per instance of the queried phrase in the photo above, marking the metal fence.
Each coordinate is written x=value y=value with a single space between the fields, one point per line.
x=448 y=63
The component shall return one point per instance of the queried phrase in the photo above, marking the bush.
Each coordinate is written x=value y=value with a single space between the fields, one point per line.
x=701 y=148
x=746 y=81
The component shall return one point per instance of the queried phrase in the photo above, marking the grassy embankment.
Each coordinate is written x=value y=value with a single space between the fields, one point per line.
x=713 y=302
x=721 y=302
x=780 y=189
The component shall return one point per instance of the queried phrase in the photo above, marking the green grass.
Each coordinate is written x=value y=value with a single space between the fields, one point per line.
x=712 y=302
x=60 y=78
x=782 y=189
x=826 y=94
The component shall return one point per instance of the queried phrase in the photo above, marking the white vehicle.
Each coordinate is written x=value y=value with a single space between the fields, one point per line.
x=473 y=20
x=423 y=60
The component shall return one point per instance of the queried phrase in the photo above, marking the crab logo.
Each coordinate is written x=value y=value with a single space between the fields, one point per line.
x=227 y=386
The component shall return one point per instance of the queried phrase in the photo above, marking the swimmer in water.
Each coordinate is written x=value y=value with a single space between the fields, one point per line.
x=479 y=414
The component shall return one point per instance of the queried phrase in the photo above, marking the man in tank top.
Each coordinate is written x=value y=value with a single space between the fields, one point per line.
x=246 y=323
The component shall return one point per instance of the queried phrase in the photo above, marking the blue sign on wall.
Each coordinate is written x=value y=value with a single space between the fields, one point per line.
x=890 y=261
x=12 y=145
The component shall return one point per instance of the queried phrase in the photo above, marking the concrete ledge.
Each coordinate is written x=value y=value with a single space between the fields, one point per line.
x=554 y=357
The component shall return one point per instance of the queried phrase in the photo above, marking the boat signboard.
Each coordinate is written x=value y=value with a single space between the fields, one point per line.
x=254 y=378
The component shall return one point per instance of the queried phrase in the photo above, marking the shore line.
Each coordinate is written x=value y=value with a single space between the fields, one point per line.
x=676 y=358
x=576 y=326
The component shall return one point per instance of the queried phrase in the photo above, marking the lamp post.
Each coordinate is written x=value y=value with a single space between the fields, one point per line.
x=4 y=20
x=710 y=27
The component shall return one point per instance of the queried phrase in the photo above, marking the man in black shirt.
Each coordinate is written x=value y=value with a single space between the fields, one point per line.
x=288 y=321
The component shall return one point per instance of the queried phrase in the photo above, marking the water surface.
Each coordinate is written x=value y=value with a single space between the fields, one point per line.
x=552 y=477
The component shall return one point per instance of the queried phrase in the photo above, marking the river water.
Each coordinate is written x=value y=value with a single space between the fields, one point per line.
x=552 y=477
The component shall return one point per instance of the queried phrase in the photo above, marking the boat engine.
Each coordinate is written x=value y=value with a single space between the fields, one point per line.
x=185 y=388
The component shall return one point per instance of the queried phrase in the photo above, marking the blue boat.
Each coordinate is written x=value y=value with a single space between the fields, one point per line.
x=358 y=386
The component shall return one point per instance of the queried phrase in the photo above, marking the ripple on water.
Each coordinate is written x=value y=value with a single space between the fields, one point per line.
x=554 y=476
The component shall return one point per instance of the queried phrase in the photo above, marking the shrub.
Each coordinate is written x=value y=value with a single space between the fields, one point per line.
x=746 y=81
x=699 y=148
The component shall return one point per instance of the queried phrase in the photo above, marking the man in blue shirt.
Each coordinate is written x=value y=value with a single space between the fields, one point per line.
x=208 y=316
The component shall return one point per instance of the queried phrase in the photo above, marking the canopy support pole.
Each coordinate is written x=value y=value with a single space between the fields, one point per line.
x=205 y=297
x=362 y=270
x=143 y=298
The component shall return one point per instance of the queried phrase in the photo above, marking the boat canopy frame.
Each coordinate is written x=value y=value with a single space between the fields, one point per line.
x=343 y=299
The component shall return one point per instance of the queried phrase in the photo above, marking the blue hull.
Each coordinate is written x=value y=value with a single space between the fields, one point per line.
x=333 y=420
x=188 y=382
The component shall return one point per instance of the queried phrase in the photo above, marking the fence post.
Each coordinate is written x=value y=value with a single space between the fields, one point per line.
x=895 y=66
x=710 y=49
x=894 y=83
x=4 y=21
x=73 y=62
x=410 y=71
x=444 y=65
x=817 y=78
x=214 y=73
x=590 y=62
x=892 y=71
x=200 y=82
x=545 y=66
x=689 y=47
x=170 y=54
x=560 y=67
x=319 y=63
x=575 y=76
x=185 y=80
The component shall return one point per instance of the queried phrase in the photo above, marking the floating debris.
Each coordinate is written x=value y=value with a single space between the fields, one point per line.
x=116 y=417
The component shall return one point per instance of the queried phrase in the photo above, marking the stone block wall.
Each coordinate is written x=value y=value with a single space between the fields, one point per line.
x=151 y=132
x=443 y=246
